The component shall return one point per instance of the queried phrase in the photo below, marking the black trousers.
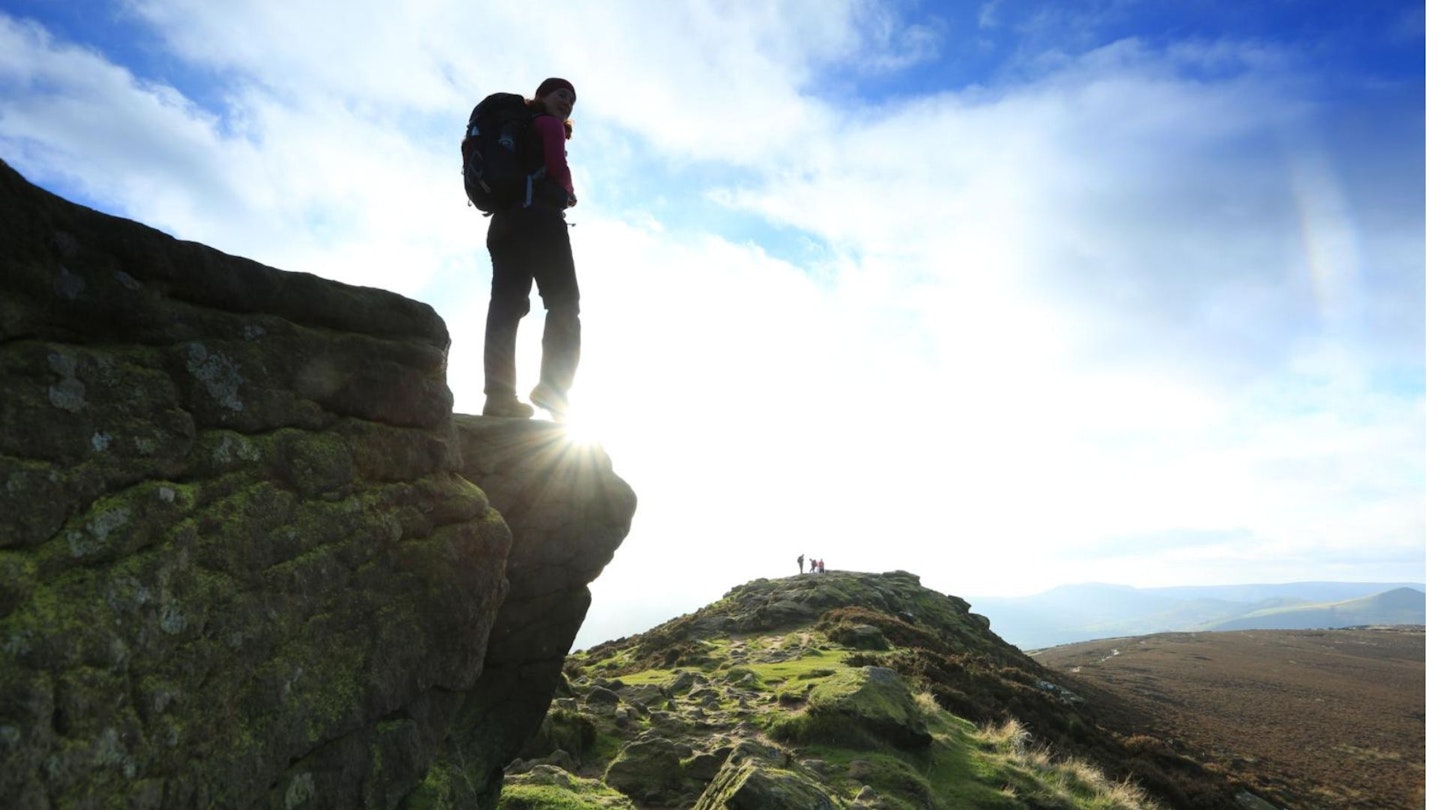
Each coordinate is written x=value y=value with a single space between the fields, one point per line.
x=531 y=246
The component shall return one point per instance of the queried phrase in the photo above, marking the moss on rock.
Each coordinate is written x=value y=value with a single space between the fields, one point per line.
x=859 y=704
x=546 y=787
x=749 y=781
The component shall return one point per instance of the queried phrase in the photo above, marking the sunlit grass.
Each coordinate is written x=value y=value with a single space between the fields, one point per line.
x=771 y=684
x=1037 y=773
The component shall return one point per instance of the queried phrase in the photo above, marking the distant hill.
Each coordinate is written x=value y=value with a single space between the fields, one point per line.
x=1401 y=606
x=1074 y=613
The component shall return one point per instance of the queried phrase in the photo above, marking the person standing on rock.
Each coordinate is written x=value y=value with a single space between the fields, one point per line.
x=800 y=561
x=530 y=244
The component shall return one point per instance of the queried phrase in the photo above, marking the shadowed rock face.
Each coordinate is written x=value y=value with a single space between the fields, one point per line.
x=243 y=558
x=568 y=513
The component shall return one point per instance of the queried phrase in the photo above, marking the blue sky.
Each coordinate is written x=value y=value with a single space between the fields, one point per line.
x=1007 y=294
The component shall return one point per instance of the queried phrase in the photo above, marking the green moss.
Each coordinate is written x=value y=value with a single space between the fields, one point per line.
x=743 y=676
x=552 y=789
x=315 y=463
x=809 y=667
x=62 y=624
x=958 y=772
x=618 y=660
x=893 y=776
x=563 y=730
x=826 y=729
x=607 y=746
x=443 y=788
x=850 y=692
x=653 y=676
x=951 y=773
x=331 y=690
x=541 y=797
x=938 y=647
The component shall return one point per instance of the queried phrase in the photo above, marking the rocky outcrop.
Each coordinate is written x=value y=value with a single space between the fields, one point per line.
x=568 y=512
x=889 y=695
x=247 y=558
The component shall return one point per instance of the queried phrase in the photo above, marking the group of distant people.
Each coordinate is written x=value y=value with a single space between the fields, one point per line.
x=816 y=566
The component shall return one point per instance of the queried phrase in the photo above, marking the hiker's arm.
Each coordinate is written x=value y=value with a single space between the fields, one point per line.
x=552 y=142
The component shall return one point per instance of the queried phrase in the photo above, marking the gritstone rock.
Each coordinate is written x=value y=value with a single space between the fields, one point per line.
x=246 y=557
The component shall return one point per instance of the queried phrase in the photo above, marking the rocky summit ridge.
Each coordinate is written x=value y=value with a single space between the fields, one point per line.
x=248 y=555
x=839 y=690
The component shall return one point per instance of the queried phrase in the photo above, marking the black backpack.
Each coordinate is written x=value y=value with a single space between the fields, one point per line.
x=500 y=155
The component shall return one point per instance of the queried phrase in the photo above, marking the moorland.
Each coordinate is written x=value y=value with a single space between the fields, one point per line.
x=1316 y=718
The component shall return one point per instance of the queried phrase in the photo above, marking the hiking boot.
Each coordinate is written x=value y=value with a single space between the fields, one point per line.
x=551 y=400
x=511 y=408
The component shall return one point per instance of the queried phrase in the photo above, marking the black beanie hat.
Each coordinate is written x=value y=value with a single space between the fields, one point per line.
x=551 y=85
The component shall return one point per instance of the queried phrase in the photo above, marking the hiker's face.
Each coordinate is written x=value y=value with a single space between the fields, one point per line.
x=559 y=103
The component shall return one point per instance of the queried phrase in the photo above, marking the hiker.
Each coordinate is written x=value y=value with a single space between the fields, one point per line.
x=530 y=243
x=800 y=561
x=822 y=565
x=812 y=565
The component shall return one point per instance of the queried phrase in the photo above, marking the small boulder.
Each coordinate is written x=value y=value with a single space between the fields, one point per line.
x=877 y=701
x=743 y=677
x=648 y=770
x=684 y=682
x=645 y=694
x=756 y=778
x=601 y=696
x=548 y=786
x=704 y=766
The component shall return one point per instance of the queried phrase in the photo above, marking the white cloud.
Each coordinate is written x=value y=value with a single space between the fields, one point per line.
x=85 y=118
x=1126 y=295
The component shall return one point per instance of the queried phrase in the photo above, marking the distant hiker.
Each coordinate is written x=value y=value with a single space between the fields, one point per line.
x=812 y=565
x=822 y=565
x=529 y=242
x=800 y=561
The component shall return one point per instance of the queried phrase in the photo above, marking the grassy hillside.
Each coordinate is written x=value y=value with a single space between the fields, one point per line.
x=840 y=690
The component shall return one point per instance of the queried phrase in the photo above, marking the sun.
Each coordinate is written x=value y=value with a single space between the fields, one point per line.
x=582 y=428
x=585 y=424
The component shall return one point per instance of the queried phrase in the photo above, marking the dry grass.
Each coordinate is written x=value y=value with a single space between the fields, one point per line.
x=1314 y=718
x=1011 y=736
x=927 y=703
x=1085 y=783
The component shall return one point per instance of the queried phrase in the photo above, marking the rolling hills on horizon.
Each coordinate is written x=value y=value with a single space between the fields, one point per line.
x=1400 y=606
x=1075 y=613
